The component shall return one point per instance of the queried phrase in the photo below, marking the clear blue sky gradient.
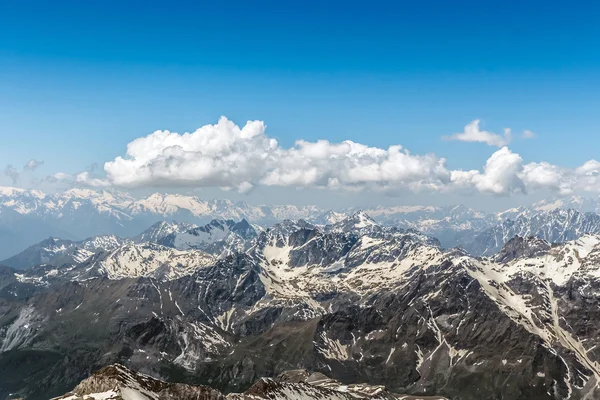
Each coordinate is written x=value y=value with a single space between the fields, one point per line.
x=80 y=79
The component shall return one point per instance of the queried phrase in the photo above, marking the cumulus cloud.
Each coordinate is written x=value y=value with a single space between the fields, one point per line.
x=221 y=155
x=231 y=157
x=586 y=177
x=32 y=164
x=544 y=175
x=501 y=175
x=348 y=164
x=505 y=173
x=12 y=173
x=472 y=133
x=227 y=156
x=87 y=179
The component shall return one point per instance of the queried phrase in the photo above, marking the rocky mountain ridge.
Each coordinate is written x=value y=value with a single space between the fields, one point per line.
x=219 y=238
x=29 y=216
x=56 y=251
x=355 y=300
x=118 y=382
x=554 y=226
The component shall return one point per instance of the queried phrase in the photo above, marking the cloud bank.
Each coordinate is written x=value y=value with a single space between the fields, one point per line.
x=227 y=156
x=238 y=158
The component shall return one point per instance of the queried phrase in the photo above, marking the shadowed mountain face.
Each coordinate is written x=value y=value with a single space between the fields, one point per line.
x=55 y=251
x=354 y=300
x=219 y=237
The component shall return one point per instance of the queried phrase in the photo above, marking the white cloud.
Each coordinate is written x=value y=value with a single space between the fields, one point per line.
x=472 y=133
x=32 y=164
x=221 y=155
x=527 y=134
x=589 y=168
x=348 y=164
x=544 y=175
x=230 y=157
x=500 y=176
x=85 y=178
x=225 y=155
x=59 y=177
x=587 y=177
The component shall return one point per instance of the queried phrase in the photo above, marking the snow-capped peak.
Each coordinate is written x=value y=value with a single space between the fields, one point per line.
x=160 y=230
x=362 y=219
x=201 y=237
x=330 y=217
x=149 y=260
x=358 y=220
x=579 y=203
x=13 y=191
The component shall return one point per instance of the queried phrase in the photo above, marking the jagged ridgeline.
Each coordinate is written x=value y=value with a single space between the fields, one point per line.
x=118 y=382
x=30 y=216
x=228 y=303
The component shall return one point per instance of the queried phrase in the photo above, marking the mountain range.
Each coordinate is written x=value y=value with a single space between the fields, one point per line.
x=30 y=216
x=354 y=300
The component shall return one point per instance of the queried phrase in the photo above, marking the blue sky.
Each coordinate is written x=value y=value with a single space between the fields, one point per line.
x=80 y=80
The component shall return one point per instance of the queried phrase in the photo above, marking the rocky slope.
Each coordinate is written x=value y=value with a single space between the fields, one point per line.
x=56 y=251
x=160 y=230
x=356 y=301
x=218 y=236
x=118 y=382
x=554 y=226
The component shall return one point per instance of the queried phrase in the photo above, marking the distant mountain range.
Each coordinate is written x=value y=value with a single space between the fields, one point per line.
x=29 y=216
x=163 y=240
x=555 y=226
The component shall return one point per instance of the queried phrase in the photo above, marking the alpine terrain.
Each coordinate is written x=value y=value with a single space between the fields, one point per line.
x=31 y=216
x=226 y=304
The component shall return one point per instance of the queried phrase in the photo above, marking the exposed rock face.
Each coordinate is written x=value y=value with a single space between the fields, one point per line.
x=519 y=247
x=554 y=226
x=355 y=301
x=220 y=238
x=55 y=251
x=119 y=383
x=160 y=230
x=116 y=382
